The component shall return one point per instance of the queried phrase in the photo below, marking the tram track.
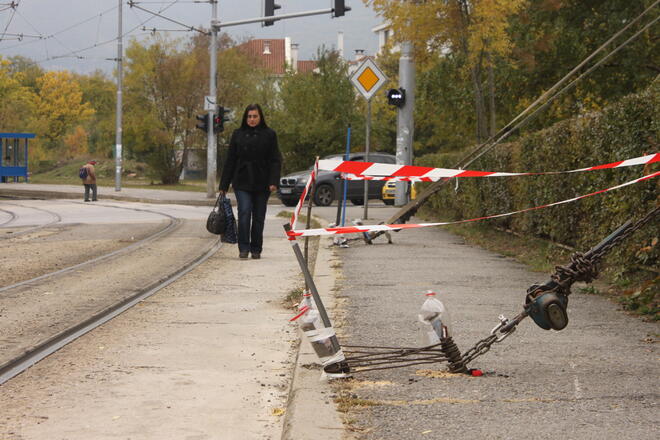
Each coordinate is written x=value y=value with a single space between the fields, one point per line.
x=56 y=219
x=11 y=219
x=44 y=313
x=17 y=365
x=172 y=225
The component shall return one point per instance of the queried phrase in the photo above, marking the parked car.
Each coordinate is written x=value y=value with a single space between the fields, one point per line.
x=389 y=192
x=329 y=184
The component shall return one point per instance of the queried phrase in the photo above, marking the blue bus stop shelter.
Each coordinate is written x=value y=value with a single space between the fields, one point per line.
x=14 y=156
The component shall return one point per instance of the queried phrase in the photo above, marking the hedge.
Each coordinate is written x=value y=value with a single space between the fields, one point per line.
x=624 y=130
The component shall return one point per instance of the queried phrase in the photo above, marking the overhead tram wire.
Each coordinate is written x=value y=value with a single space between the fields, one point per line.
x=569 y=86
x=14 y=7
x=68 y=28
x=75 y=53
x=508 y=129
x=133 y=4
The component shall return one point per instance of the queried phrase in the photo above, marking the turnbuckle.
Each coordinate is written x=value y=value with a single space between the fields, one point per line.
x=504 y=322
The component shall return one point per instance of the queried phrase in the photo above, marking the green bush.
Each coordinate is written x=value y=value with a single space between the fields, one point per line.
x=625 y=130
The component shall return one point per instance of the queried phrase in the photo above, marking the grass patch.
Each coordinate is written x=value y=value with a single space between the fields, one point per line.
x=133 y=176
x=643 y=300
x=346 y=403
x=294 y=296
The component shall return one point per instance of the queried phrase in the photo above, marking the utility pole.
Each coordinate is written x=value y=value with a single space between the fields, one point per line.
x=118 y=122
x=405 y=121
x=211 y=147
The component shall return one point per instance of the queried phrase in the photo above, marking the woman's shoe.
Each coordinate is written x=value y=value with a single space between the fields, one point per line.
x=243 y=255
x=256 y=255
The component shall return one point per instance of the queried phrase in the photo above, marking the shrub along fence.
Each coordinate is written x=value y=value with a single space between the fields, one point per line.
x=624 y=130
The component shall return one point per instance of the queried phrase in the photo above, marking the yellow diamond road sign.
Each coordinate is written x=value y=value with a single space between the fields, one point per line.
x=368 y=78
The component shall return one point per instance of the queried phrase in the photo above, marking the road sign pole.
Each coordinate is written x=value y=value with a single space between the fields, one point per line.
x=366 y=159
x=368 y=79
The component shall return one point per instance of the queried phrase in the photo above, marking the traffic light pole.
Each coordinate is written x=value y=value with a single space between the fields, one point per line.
x=405 y=122
x=211 y=146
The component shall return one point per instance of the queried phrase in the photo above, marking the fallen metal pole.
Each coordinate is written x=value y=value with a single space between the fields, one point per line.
x=311 y=286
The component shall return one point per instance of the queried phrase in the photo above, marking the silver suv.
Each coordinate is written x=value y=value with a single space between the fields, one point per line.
x=329 y=185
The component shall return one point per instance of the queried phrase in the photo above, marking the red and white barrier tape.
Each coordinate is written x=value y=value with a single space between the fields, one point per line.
x=310 y=180
x=382 y=171
x=373 y=228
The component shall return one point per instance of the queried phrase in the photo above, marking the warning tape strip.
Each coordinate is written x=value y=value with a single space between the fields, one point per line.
x=382 y=171
x=396 y=227
x=310 y=180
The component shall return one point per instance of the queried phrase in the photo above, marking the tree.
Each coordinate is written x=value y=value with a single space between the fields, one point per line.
x=59 y=107
x=16 y=100
x=314 y=111
x=163 y=91
x=475 y=32
x=100 y=92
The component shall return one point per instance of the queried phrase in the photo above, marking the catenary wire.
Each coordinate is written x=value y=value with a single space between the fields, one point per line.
x=14 y=7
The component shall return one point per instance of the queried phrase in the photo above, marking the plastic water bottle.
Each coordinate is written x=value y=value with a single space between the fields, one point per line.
x=435 y=319
x=318 y=335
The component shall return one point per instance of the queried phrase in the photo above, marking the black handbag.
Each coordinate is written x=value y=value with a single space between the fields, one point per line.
x=217 y=221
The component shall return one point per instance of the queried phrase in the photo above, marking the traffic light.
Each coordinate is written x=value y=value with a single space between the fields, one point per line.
x=396 y=97
x=220 y=118
x=203 y=123
x=269 y=11
x=340 y=8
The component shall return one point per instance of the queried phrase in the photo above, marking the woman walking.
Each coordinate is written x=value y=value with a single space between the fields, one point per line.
x=253 y=169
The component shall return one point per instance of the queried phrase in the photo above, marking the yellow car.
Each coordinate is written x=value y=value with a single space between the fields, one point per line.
x=389 y=192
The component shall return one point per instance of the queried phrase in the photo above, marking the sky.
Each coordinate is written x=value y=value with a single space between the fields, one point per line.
x=80 y=35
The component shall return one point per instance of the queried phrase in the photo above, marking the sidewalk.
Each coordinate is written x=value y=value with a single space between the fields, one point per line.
x=596 y=379
x=44 y=191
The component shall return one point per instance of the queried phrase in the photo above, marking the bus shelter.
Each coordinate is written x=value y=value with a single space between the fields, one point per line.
x=14 y=156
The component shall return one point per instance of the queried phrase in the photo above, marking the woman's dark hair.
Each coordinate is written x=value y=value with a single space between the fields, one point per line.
x=262 y=121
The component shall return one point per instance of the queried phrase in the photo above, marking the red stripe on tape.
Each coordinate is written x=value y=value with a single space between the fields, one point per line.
x=411 y=171
x=353 y=167
x=606 y=166
x=656 y=158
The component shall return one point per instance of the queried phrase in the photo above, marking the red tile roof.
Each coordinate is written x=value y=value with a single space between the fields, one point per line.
x=306 y=66
x=274 y=61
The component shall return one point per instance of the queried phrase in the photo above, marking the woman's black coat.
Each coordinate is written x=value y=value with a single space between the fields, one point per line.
x=253 y=161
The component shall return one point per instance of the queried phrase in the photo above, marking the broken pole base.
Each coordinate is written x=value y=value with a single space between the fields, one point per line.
x=449 y=348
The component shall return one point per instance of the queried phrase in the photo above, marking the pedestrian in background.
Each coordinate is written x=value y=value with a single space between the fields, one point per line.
x=253 y=168
x=89 y=179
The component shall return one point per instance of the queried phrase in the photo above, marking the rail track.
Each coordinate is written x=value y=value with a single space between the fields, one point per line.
x=42 y=314
x=172 y=224
x=12 y=217
x=56 y=218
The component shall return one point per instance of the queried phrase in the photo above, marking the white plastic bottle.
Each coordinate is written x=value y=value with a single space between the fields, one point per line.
x=435 y=319
x=319 y=336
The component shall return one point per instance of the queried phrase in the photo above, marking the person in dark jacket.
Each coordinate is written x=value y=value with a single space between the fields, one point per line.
x=253 y=168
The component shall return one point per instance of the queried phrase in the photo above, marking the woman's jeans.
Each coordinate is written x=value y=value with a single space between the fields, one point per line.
x=252 y=207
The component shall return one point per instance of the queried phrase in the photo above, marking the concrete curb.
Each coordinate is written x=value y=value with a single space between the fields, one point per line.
x=311 y=412
x=66 y=194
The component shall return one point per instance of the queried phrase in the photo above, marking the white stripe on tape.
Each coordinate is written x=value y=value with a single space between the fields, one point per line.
x=373 y=228
x=380 y=171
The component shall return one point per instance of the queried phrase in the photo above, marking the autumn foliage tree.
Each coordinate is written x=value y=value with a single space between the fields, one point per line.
x=473 y=30
x=59 y=107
